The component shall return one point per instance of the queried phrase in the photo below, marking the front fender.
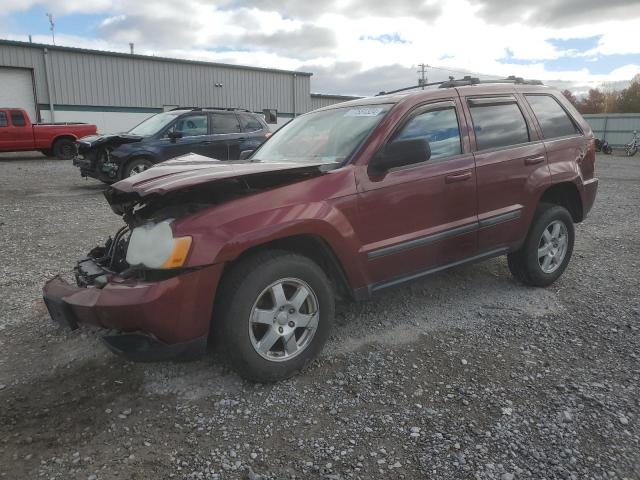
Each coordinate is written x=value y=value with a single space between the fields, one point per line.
x=326 y=220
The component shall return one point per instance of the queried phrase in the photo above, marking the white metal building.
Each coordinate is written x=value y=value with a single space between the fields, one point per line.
x=117 y=90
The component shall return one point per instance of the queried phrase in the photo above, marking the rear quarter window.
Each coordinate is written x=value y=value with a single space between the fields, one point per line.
x=498 y=125
x=17 y=118
x=3 y=119
x=552 y=118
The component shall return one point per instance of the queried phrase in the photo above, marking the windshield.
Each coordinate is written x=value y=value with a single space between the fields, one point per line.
x=153 y=125
x=326 y=136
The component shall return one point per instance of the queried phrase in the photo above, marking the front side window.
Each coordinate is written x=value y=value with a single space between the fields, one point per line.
x=17 y=118
x=192 y=125
x=154 y=124
x=3 y=119
x=224 y=123
x=250 y=123
x=498 y=125
x=439 y=128
x=552 y=118
x=327 y=136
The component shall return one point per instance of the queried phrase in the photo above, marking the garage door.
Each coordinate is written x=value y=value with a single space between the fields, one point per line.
x=17 y=89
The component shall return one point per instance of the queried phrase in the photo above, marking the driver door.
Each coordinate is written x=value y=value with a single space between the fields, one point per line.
x=420 y=216
x=195 y=131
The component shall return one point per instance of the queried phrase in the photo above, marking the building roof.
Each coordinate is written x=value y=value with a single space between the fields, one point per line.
x=16 y=43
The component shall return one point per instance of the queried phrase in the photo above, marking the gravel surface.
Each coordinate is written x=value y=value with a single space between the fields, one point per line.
x=466 y=374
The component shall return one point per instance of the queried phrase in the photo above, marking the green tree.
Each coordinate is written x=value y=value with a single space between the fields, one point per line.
x=629 y=99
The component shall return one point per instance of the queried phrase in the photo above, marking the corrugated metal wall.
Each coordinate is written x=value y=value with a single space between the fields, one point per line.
x=88 y=78
x=615 y=128
x=321 y=100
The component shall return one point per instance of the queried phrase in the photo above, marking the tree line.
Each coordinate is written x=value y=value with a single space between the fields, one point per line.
x=614 y=101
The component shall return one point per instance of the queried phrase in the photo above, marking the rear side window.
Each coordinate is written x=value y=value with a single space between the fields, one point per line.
x=552 y=118
x=3 y=119
x=249 y=123
x=439 y=128
x=498 y=125
x=17 y=118
x=225 y=123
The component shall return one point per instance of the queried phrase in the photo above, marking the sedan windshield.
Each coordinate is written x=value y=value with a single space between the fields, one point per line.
x=327 y=136
x=154 y=124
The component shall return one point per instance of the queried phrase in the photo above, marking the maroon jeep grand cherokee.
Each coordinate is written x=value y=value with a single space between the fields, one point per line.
x=344 y=201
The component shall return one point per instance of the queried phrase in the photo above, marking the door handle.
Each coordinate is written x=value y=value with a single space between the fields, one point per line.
x=534 y=160
x=458 y=177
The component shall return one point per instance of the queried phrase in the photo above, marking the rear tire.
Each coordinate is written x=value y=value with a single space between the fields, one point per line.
x=632 y=151
x=547 y=249
x=64 y=148
x=274 y=315
x=135 y=166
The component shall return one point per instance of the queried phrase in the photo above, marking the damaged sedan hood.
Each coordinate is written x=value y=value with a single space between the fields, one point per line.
x=112 y=139
x=194 y=170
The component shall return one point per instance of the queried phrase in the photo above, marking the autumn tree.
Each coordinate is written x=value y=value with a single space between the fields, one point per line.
x=570 y=96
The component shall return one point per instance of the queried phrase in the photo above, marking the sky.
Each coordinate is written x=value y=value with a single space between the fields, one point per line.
x=359 y=47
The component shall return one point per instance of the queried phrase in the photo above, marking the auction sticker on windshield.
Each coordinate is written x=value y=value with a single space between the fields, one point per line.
x=364 y=112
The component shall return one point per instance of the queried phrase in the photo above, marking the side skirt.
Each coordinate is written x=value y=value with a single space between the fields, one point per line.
x=366 y=292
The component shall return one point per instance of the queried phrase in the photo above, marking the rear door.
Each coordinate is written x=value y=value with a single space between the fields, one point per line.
x=511 y=164
x=227 y=135
x=254 y=132
x=563 y=139
x=423 y=215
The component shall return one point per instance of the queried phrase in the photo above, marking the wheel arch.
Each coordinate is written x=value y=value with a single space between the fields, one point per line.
x=565 y=194
x=311 y=246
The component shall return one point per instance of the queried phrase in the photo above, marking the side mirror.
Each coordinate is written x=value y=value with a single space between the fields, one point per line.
x=173 y=136
x=244 y=154
x=400 y=153
x=270 y=115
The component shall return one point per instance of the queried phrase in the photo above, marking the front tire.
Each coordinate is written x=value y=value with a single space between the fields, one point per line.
x=136 y=166
x=63 y=148
x=274 y=314
x=547 y=249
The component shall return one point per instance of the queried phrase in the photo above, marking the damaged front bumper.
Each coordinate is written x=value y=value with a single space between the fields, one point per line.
x=146 y=320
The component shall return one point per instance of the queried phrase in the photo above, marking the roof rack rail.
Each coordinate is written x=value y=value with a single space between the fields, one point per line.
x=197 y=109
x=466 y=80
x=469 y=80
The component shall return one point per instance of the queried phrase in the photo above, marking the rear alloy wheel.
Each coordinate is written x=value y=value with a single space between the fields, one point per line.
x=547 y=249
x=274 y=314
x=64 y=148
x=136 y=166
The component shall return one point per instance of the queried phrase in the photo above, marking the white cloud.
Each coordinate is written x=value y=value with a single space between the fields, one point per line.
x=378 y=41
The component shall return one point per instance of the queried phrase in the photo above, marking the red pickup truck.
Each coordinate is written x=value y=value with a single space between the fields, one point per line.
x=17 y=133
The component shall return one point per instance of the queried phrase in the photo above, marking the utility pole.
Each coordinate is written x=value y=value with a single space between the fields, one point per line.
x=52 y=27
x=422 y=81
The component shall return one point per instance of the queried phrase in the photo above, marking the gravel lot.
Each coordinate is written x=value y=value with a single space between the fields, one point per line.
x=466 y=374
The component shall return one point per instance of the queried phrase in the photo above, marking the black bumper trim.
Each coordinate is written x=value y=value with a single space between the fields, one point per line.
x=142 y=347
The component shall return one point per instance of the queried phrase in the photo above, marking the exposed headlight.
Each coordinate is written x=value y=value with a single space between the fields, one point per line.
x=153 y=246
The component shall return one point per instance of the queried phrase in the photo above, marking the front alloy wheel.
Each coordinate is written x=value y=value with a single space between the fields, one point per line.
x=273 y=315
x=284 y=320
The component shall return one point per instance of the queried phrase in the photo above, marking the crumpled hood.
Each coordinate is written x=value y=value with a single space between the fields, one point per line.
x=113 y=139
x=193 y=170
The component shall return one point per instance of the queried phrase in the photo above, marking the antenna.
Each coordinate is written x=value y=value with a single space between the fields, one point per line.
x=52 y=27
